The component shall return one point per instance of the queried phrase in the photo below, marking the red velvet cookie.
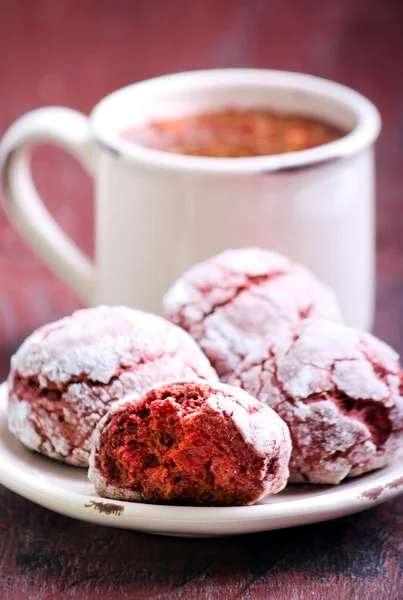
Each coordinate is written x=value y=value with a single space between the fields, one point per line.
x=190 y=442
x=65 y=375
x=240 y=299
x=340 y=392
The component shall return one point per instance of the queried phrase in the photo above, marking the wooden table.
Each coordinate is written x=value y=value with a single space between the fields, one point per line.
x=73 y=53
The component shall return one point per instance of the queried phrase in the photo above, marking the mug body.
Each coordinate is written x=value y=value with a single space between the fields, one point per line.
x=160 y=213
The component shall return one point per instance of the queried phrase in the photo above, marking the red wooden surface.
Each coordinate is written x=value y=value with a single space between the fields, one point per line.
x=73 y=53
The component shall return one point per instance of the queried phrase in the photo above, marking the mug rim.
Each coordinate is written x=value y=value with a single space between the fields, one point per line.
x=360 y=137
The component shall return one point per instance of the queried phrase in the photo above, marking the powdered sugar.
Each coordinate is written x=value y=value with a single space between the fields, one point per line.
x=20 y=424
x=358 y=380
x=259 y=426
x=96 y=342
x=326 y=355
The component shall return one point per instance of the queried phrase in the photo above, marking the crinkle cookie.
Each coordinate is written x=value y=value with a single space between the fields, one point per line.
x=239 y=299
x=340 y=392
x=190 y=442
x=65 y=375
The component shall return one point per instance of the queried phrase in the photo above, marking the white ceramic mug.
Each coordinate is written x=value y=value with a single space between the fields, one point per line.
x=159 y=213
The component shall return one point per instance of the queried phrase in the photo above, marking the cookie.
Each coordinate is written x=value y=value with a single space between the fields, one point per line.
x=340 y=392
x=243 y=298
x=65 y=375
x=190 y=442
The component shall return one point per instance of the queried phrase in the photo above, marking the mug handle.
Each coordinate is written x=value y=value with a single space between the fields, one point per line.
x=69 y=129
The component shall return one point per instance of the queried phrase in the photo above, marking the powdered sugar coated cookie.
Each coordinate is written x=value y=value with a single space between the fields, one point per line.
x=190 y=442
x=240 y=299
x=65 y=375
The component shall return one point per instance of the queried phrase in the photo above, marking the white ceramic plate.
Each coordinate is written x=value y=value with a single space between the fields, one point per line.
x=67 y=490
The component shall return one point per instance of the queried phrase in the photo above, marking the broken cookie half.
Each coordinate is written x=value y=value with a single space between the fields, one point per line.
x=190 y=442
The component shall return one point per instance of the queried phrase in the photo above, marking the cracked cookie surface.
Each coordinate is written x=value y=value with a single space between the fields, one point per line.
x=190 y=442
x=340 y=392
x=65 y=375
x=241 y=299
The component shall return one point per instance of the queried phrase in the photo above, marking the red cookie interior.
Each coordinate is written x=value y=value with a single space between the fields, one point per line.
x=175 y=446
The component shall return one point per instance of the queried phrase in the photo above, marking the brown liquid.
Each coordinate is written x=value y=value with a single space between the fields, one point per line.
x=234 y=133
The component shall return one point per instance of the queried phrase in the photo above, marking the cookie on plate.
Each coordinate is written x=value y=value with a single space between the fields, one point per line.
x=190 y=442
x=340 y=392
x=239 y=299
x=65 y=375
